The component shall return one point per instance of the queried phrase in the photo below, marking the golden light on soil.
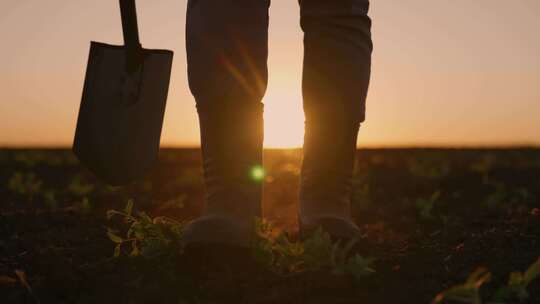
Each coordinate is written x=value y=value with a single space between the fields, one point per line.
x=283 y=121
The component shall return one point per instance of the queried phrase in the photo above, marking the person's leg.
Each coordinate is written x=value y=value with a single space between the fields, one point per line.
x=227 y=54
x=337 y=63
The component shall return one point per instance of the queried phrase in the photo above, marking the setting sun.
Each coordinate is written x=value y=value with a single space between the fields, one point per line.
x=283 y=120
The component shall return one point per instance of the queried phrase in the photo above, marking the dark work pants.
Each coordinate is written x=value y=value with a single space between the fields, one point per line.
x=227 y=49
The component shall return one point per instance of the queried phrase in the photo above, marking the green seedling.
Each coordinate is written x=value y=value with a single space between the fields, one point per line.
x=518 y=283
x=468 y=292
x=356 y=266
x=484 y=167
x=146 y=236
x=276 y=252
x=289 y=256
x=152 y=237
x=425 y=205
x=50 y=199
x=263 y=243
x=84 y=205
x=32 y=158
x=78 y=188
x=318 y=252
x=503 y=196
x=177 y=202
x=28 y=159
x=428 y=168
x=27 y=185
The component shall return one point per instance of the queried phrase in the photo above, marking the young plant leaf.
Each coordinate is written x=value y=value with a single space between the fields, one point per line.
x=467 y=292
x=532 y=272
x=134 y=249
x=117 y=250
x=129 y=207
x=115 y=238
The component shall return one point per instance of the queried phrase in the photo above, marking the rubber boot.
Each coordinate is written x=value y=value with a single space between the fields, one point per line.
x=327 y=178
x=227 y=50
x=231 y=149
x=336 y=73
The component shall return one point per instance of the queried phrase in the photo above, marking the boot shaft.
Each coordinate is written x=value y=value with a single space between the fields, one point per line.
x=231 y=143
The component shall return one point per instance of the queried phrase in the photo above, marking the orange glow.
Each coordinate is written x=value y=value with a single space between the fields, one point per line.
x=283 y=121
x=440 y=77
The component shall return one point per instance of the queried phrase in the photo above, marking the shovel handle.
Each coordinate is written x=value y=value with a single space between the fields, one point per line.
x=129 y=24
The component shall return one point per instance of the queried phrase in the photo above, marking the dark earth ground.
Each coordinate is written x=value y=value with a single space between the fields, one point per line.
x=429 y=216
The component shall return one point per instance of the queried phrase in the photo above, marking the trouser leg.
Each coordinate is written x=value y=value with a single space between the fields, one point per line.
x=337 y=62
x=227 y=53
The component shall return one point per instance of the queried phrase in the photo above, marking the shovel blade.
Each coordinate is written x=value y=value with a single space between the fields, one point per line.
x=121 y=113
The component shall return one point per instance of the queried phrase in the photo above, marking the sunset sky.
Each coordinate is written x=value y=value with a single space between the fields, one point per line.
x=445 y=72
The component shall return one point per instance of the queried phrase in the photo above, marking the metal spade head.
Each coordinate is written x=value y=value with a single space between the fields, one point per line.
x=121 y=113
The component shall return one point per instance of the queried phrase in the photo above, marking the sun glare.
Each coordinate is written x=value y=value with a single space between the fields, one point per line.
x=258 y=173
x=283 y=122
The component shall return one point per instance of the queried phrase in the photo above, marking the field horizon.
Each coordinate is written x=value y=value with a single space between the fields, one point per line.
x=359 y=147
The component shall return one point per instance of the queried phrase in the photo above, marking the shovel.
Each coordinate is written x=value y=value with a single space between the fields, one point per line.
x=123 y=102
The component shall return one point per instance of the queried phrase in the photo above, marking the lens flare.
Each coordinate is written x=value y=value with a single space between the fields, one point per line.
x=258 y=173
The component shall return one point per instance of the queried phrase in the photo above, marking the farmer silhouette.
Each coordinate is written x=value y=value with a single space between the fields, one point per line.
x=227 y=48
